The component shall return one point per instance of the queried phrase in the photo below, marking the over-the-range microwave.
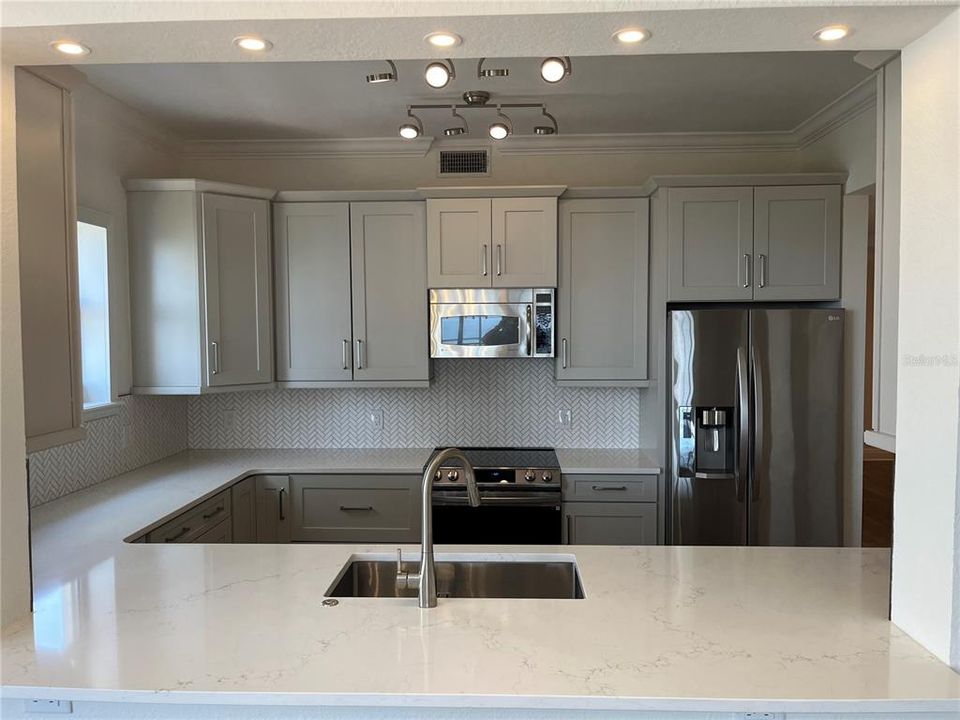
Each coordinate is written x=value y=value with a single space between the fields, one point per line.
x=492 y=323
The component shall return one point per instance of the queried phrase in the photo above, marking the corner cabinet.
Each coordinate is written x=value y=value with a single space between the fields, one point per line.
x=351 y=298
x=492 y=242
x=200 y=286
x=603 y=290
x=768 y=243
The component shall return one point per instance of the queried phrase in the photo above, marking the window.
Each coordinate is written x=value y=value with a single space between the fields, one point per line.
x=92 y=254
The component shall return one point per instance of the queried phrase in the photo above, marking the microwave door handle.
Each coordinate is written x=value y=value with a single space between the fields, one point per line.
x=529 y=331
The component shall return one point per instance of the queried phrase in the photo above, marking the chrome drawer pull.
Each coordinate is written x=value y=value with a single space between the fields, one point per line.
x=207 y=516
x=608 y=488
x=174 y=538
x=357 y=508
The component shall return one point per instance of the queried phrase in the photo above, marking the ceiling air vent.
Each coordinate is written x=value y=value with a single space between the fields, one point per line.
x=464 y=162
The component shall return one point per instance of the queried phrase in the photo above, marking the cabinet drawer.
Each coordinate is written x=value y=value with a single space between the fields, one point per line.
x=610 y=488
x=194 y=522
x=588 y=523
x=356 y=508
x=222 y=532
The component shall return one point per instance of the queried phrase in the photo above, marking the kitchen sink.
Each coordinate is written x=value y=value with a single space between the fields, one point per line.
x=551 y=579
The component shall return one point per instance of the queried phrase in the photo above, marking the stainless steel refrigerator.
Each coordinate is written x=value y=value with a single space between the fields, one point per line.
x=755 y=426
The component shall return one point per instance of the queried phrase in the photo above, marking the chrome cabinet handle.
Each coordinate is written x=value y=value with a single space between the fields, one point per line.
x=499 y=260
x=359 y=354
x=343 y=352
x=207 y=516
x=563 y=353
x=609 y=488
x=280 y=494
x=215 y=346
x=356 y=508
x=483 y=259
x=174 y=538
x=763 y=271
x=746 y=270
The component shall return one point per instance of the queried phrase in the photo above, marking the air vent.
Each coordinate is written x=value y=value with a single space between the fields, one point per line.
x=464 y=162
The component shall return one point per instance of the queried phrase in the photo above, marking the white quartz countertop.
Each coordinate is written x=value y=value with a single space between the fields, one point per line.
x=614 y=461
x=661 y=628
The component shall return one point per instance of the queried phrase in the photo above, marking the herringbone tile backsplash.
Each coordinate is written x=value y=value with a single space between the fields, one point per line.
x=469 y=402
x=154 y=427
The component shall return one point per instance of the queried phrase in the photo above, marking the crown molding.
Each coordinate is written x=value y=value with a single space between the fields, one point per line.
x=852 y=104
x=308 y=148
x=590 y=144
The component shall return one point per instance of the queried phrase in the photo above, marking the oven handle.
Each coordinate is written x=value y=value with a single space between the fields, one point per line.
x=526 y=499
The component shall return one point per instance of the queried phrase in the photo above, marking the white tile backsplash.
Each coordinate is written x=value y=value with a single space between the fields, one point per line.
x=469 y=402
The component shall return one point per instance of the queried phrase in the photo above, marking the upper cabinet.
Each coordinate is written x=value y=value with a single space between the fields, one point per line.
x=603 y=292
x=200 y=286
x=351 y=283
x=47 y=216
x=492 y=242
x=754 y=243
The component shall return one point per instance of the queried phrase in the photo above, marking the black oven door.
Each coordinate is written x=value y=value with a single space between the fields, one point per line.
x=522 y=518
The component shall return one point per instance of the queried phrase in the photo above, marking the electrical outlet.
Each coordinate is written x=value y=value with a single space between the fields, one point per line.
x=760 y=716
x=565 y=417
x=375 y=418
x=52 y=707
x=228 y=419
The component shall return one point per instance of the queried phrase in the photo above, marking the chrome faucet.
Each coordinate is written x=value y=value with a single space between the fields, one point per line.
x=426 y=579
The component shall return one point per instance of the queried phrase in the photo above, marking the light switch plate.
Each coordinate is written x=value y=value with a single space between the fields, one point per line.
x=375 y=418
x=51 y=707
x=565 y=417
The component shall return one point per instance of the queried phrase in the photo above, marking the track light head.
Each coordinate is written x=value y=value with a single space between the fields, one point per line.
x=384 y=77
x=483 y=72
x=413 y=129
x=550 y=129
x=456 y=130
x=438 y=73
x=555 y=69
x=502 y=128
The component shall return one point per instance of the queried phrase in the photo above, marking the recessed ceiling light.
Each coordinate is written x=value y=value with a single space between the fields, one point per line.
x=443 y=39
x=252 y=43
x=70 y=47
x=439 y=73
x=555 y=69
x=832 y=33
x=631 y=36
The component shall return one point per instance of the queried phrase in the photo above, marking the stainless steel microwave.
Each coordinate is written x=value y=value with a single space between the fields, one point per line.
x=488 y=323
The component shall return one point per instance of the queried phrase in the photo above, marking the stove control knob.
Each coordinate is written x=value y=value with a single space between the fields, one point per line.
x=548 y=477
x=529 y=476
x=453 y=475
x=438 y=476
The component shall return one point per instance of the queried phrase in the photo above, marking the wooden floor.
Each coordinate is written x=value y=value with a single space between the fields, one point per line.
x=877 y=497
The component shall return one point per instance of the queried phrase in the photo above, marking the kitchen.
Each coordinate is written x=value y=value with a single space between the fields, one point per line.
x=304 y=307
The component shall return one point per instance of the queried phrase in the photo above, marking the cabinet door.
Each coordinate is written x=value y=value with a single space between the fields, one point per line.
x=273 y=508
x=603 y=292
x=797 y=242
x=49 y=318
x=243 y=511
x=710 y=238
x=236 y=251
x=389 y=272
x=587 y=523
x=524 y=241
x=458 y=232
x=219 y=533
x=312 y=259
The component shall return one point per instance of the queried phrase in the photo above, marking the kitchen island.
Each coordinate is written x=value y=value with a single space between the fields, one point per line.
x=660 y=629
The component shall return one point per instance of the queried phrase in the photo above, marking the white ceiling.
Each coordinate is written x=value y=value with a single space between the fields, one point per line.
x=734 y=92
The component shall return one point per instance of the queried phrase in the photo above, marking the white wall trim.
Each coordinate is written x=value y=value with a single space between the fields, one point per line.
x=845 y=108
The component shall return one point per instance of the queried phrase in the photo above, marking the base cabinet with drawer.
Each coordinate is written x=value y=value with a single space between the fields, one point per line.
x=356 y=508
x=196 y=524
x=273 y=508
x=610 y=509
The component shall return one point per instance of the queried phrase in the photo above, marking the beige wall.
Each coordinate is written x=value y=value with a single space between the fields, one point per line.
x=14 y=552
x=926 y=586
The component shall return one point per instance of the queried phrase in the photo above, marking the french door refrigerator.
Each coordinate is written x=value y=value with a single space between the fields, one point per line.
x=755 y=426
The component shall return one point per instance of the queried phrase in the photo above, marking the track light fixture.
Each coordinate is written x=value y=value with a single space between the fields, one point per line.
x=461 y=129
x=384 y=77
x=501 y=129
x=555 y=69
x=439 y=73
x=483 y=72
x=411 y=130
x=551 y=129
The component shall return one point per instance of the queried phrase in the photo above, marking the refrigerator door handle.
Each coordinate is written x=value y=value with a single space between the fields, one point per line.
x=758 y=421
x=743 y=436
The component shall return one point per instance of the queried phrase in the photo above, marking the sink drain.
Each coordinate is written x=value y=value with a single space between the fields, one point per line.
x=330 y=602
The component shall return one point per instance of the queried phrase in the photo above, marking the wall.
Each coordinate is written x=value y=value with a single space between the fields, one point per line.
x=14 y=538
x=850 y=147
x=469 y=402
x=926 y=542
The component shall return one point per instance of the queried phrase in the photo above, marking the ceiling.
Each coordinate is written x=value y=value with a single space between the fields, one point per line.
x=731 y=92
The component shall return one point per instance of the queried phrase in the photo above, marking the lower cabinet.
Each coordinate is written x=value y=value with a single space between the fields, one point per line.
x=355 y=508
x=222 y=532
x=610 y=509
x=244 y=513
x=195 y=523
x=273 y=508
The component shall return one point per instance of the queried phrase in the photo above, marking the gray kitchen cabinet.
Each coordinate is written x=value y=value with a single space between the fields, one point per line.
x=312 y=263
x=710 y=237
x=796 y=242
x=273 y=508
x=222 y=532
x=389 y=287
x=195 y=522
x=356 y=508
x=47 y=214
x=243 y=501
x=609 y=488
x=607 y=523
x=492 y=242
x=524 y=242
x=603 y=290
x=458 y=240
x=200 y=286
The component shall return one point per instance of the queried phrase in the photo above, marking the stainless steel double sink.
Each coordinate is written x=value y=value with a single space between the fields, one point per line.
x=541 y=579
